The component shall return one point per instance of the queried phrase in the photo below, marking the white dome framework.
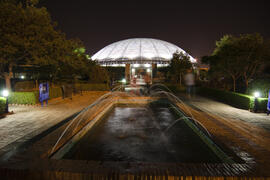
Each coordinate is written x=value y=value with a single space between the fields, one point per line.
x=140 y=56
x=138 y=51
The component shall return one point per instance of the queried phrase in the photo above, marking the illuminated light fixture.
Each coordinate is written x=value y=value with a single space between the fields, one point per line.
x=5 y=93
x=136 y=65
x=148 y=70
x=133 y=70
x=257 y=94
x=22 y=76
x=124 y=81
x=162 y=65
x=147 y=65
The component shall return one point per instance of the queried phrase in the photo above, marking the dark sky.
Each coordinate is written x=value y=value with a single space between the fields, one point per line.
x=193 y=25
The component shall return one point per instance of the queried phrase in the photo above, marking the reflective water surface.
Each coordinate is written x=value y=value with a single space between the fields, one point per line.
x=138 y=134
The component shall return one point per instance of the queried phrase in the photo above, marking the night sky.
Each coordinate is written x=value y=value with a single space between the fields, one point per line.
x=192 y=25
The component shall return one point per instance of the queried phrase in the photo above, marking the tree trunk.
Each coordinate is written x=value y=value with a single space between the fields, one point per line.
x=246 y=82
x=233 y=84
x=36 y=84
x=180 y=79
x=8 y=75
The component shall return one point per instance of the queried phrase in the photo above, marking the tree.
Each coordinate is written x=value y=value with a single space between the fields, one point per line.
x=252 y=54
x=179 y=64
x=29 y=38
x=238 y=57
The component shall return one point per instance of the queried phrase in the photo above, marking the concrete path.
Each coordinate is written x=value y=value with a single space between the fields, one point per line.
x=244 y=132
x=29 y=121
x=229 y=112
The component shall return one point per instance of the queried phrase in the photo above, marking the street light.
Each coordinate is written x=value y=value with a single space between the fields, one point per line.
x=5 y=94
x=256 y=96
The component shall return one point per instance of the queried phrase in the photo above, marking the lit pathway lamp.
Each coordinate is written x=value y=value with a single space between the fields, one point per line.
x=5 y=94
x=256 y=96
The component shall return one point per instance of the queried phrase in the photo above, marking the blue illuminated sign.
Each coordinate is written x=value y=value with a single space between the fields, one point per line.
x=43 y=93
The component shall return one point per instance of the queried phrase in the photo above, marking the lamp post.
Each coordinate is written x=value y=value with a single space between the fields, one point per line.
x=5 y=94
x=256 y=96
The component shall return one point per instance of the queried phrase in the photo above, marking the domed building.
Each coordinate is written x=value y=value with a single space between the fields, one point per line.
x=139 y=56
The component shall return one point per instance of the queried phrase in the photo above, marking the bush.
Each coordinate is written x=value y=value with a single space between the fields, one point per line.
x=23 y=97
x=2 y=105
x=238 y=100
x=24 y=85
x=261 y=85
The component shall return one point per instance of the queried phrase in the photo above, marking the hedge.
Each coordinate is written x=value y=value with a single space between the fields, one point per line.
x=2 y=105
x=238 y=100
x=32 y=97
x=23 y=97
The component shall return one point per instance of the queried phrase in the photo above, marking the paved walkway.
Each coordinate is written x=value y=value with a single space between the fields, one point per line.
x=29 y=121
x=244 y=132
x=229 y=112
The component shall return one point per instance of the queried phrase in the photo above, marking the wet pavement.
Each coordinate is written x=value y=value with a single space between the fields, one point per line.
x=244 y=132
x=227 y=111
x=28 y=121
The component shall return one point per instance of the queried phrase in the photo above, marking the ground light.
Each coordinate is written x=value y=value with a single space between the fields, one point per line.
x=256 y=96
x=5 y=93
x=124 y=81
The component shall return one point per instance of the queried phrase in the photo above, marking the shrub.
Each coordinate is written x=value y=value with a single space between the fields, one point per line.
x=238 y=100
x=23 y=97
x=2 y=105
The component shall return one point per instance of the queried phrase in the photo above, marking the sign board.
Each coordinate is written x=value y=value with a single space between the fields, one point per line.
x=43 y=92
x=268 y=104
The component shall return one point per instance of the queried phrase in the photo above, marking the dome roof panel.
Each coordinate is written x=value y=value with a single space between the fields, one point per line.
x=137 y=49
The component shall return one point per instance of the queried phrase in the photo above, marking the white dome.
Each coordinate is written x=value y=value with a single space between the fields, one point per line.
x=138 y=50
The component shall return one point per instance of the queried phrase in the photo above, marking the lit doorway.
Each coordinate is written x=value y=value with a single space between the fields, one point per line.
x=141 y=74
